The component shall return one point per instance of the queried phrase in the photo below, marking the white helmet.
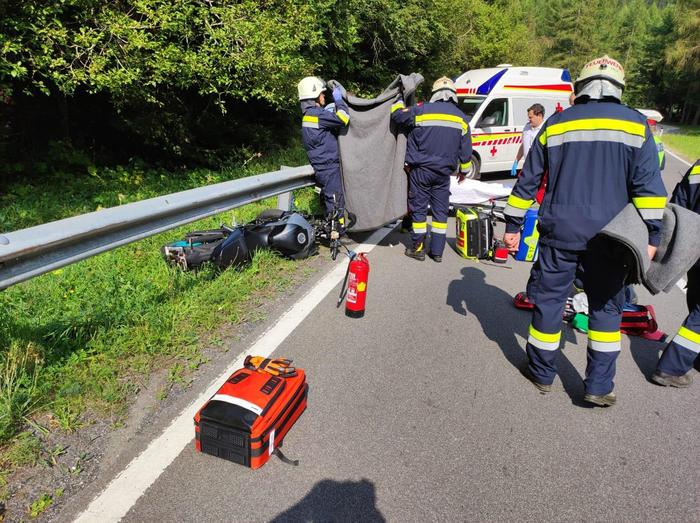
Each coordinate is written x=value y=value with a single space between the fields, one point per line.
x=604 y=68
x=310 y=88
x=444 y=83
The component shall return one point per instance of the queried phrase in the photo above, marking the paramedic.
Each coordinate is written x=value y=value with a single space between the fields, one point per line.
x=653 y=125
x=319 y=133
x=675 y=365
x=599 y=155
x=439 y=145
x=535 y=117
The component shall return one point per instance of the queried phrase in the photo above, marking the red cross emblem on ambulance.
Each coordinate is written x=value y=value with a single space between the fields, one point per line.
x=493 y=151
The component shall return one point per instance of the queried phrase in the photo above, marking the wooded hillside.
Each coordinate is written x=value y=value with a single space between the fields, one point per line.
x=209 y=81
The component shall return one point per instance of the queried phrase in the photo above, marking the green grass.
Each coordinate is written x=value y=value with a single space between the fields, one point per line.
x=24 y=450
x=78 y=342
x=685 y=143
x=40 y=505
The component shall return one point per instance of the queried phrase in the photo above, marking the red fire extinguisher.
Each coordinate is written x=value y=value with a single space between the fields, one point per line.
x=356 y=278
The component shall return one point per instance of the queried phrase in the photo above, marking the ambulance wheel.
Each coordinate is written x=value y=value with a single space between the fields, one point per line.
x=475 y=172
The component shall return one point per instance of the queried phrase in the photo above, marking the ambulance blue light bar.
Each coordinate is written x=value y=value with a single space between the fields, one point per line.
x=489 y=84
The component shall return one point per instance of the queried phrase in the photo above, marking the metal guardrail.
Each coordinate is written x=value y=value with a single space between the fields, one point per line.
x=31 y=252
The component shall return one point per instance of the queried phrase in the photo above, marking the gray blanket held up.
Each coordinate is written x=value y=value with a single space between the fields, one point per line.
x=677 y=253
x=372 y=155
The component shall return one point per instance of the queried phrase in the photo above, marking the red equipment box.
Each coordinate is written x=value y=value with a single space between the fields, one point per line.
x=248 y=417
x=639 y=323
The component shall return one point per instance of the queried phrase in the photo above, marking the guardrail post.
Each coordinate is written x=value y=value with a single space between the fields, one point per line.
x=285 y=200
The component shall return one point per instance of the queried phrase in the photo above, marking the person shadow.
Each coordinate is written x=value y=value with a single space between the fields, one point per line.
x=645 y=354
x=339 y=501
x=500 y=321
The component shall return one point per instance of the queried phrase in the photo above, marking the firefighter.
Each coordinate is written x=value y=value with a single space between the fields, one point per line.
x=319 y=133
x=599 y=155
x=439 y=145
x=675 y=366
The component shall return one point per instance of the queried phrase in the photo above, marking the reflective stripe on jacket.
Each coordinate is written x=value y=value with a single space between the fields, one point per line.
x=599 y=157
x=318 y=129
x=687 y=192
x=661 y=152
x=439 y=138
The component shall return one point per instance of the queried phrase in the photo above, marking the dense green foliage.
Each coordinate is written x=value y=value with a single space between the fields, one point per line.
x=197 y=80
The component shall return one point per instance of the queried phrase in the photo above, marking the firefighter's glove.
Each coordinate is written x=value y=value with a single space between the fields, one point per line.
x=514 y=169
x=337 y=94
x=277 y=367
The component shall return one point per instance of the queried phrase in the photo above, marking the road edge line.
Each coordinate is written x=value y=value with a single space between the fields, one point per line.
x=122 y=493
x=678 y=157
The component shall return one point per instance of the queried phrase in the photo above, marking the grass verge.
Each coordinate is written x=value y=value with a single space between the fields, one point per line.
x=78 y=342
x=686 y=142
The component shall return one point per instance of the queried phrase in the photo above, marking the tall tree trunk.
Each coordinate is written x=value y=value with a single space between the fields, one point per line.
x=696 y=118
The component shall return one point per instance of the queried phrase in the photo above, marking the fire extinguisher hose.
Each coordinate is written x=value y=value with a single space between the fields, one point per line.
x=343 y=288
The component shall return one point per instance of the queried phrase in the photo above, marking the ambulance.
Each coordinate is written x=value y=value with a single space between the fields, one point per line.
x=496 y=100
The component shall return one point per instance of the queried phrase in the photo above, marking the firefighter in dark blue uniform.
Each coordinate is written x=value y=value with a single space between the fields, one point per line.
x=319 y=133
x=676 y=363
x=599 y=155
x=439 y=146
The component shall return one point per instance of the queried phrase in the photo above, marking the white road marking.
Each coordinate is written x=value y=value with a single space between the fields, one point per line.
x=113 y=503
x=678 y=158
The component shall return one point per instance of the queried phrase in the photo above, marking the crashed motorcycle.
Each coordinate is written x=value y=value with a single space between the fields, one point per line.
x=288 y=233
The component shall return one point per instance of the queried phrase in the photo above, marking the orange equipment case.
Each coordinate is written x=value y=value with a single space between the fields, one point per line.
x=249 y=416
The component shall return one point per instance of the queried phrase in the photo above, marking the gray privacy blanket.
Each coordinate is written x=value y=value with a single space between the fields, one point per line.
x=677 y=253
x=372 y=155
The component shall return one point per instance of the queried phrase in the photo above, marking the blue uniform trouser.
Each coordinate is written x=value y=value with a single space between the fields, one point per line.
x=550 y=284
x=428 y=188
x=328 y=178
x=684 y=348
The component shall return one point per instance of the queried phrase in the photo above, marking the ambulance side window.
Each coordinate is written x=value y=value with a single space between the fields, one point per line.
x=495 y=114
x=520 y=107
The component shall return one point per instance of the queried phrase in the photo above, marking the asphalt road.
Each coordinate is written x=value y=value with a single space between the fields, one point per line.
x=418 y=412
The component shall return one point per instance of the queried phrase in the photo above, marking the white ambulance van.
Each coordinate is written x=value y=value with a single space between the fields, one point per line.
x=496 y=100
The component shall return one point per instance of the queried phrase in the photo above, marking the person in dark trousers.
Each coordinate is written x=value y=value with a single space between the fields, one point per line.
x=599 y=155
x=675 y=367
x=319 y=133
x=439 y=146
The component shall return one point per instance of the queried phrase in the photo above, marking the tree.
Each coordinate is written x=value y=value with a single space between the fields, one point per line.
x=683 y=55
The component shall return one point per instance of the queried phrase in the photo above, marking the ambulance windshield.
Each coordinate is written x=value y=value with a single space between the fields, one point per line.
x=469 y=105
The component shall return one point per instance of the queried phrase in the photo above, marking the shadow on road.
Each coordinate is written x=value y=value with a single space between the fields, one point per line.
x=500 y=321
x=336 y=501
x=645 y=354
